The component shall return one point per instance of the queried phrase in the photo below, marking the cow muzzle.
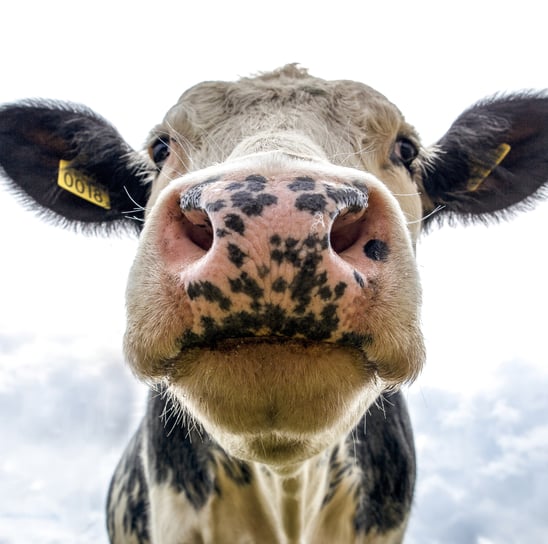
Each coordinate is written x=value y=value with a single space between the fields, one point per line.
x=275 y=249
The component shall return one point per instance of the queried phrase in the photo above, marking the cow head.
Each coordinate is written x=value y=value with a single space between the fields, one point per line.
x=275 y=292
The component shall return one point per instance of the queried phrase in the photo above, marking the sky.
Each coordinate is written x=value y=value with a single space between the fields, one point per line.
x=68 y=404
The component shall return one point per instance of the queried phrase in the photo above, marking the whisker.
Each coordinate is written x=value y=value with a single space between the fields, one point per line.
x=435 y=210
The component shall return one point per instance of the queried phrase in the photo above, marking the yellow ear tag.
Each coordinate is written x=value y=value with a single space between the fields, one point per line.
x=481 y=174
x=81 y=185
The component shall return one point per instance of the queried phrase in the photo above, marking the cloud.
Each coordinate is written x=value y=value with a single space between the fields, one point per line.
x=65 y=417
x=482 y=461
x=482 y=458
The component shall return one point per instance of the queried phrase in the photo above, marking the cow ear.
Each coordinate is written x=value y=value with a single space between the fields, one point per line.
x=493 y=158
x=73 y=164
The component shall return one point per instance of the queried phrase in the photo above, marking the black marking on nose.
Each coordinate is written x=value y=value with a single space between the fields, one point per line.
x=235 y=186
x=340 y=288
x=236 y=255
x=256 y=183
x=234 y=222
x=210 y=292
x=215 y=206
x=290 y=254
x=247 y=285
x=359 y=279
x=312 y=203
x=377 y=250
x=279 y=285
x=303 y=183
x=252 y=205
x=325 y=292
x=312 y=240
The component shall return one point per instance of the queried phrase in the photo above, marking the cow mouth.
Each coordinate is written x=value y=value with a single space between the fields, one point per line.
x=232 y=348
x=233 y=339
x=270 y=398
x=224 y=344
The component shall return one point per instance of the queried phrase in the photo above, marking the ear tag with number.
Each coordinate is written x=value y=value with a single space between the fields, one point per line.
x=480 y=174
x=82 y=185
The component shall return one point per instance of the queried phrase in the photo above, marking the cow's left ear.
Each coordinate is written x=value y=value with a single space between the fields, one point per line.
x=494 y=156
x=71 y=164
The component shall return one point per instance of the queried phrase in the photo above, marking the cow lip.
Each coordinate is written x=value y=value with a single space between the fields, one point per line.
x=258 y=351
x=230 y=346
x=231 y=343
x=227 y=344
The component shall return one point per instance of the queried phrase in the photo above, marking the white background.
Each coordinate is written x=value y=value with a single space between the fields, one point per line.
x=67 y=402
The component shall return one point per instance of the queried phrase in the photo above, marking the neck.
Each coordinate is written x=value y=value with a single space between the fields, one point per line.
x=226 y=500
x=287 y=505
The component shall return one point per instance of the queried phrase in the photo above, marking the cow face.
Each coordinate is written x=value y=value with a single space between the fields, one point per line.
x=275 y=291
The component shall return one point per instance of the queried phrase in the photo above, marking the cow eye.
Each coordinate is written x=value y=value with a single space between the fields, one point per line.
x=405 y=152
x=159 y=150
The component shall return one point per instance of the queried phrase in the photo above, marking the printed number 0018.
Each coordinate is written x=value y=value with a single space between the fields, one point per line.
x=80 y=185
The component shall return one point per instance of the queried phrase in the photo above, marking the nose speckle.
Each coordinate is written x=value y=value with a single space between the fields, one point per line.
x=311 y=202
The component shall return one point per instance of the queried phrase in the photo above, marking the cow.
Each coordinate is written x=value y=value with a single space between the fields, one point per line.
x=273 y=306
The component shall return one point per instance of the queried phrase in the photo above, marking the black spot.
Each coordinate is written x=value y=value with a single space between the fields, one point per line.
x=340 y=289
x=238 y=471
x=382 y=446
x=215 y=206
x=252 y=205
x=236 y=255
x=279 y=285
x=289 y=254
x=325 y=292
x=234 y=186
x=329 y=313
x=291 y=242
x=377 y=250
x=276 y=317
x=305 y=281
x=275 y=240
x=277 y=255
x=247 y=285
x=256 y=183
x=359 y=279
x=210 y=292
x=132 y=493
x=302 y=184
x=314 y=241
x=339 y=468
x=235 y=223
x=180 y=456
x=313 y=203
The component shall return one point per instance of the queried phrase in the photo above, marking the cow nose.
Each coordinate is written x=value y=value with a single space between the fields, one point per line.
x=332 y=214
x=279 y=256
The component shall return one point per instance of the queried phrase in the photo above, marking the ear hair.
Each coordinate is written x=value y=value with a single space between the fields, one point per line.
x=492 y=162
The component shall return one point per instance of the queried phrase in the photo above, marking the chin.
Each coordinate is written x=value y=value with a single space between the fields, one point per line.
x=275 y=401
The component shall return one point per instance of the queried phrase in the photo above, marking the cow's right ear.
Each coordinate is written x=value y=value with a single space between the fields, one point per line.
x=73 y=164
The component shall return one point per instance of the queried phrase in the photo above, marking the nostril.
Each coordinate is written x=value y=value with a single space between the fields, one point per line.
x=346 y=230
x=198 y=229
